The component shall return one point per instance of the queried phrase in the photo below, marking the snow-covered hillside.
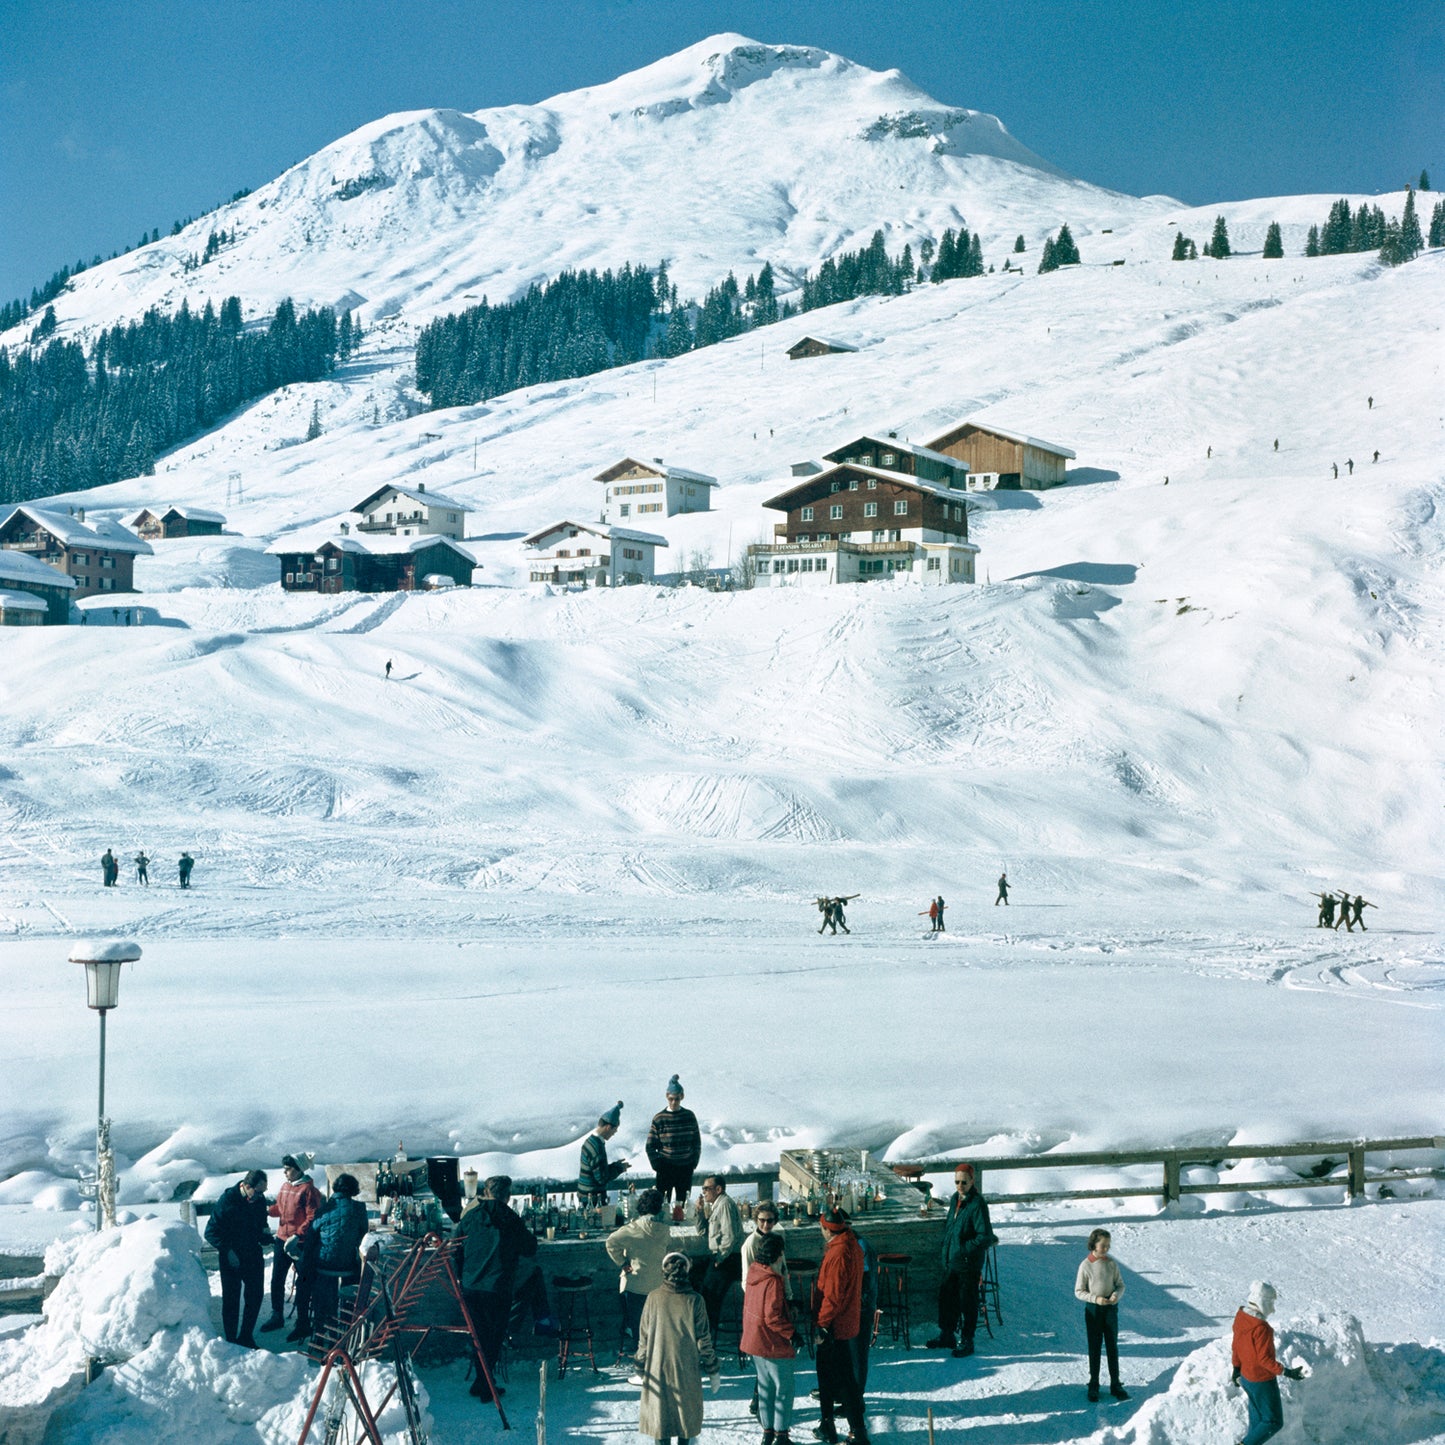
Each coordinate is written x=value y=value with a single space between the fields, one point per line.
x=720 y=157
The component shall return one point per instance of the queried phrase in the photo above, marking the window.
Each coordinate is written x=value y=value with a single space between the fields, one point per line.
x=806 y=565
x=933 y=564
x=333 y=564
x=451 y=516
x=807 y=514
x=81 y=558
x=835 y=512
x=872 y=484
x=388 y=516
x=889 y=460
x=835 y=486
x=107 y=561
x=763 y=567
x=953 y=565
x=625 y=509
x=853 y=484
x=900 y=507
x=822 y=564
x=870 y=509
x=584 y=551
x=792 y=564
x=107 y=584
x=290 y=578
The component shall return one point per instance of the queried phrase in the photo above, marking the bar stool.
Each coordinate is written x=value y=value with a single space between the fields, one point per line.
x=988 y=1296
x=575 y=1315
x=893 y=1296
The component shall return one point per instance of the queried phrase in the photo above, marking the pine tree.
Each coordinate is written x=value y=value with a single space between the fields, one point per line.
x=1047 y=261
x=1273 y=243
x=1181 y=247
x=1411 y=241
x=1193 y=252
x=1392 y=251
x=1219 y=241
x=1018 y=244
x=314 y=430
x=1335 y=237
x=1066 y=253
x=1424 y=180
x=925 y=255
x=1312 y=242
x=1437 y=224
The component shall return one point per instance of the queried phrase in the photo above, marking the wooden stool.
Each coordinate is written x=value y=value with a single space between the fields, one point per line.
x=575 y=1316
x=893 y=1296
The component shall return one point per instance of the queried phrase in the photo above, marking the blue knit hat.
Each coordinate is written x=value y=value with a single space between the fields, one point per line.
x=613 y=1116
x=673 y=1087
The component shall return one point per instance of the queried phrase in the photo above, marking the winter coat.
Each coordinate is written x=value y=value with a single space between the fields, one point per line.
x=1253 y=1353
x=641 y=1245
x=674 y=1351
x=1098 y=1277
x=493 y=1240
x=675 y=1139
x=767 y=1324
x=338 y=1229
x=297 y=1204
x=238 y=1226
x=838 y=1288
x=967 y=1233
x=595 y=1173
x=749 y=1253
x=724 y=1228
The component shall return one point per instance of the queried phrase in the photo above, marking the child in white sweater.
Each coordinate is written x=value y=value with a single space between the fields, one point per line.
x=1099 y=1284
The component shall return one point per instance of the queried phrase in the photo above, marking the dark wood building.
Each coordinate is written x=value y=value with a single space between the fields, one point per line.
x=817 y=346
x=1004 y=459
x=31 y=593
x=373 y=564
x=158 y=522
x=100 y=558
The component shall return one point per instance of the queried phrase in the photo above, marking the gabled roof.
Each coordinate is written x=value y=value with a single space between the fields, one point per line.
x=191 y=514
x=781 y=502
x=595 y=529
x=658 y=468
x=417 y=494
x=108 y=536
x=371 y=545
x=951 y=435
x=21 y=601
x=823 y=341
x=892 y=444
x=21 y=567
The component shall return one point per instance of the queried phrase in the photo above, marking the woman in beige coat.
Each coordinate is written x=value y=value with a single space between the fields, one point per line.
x=638 y=1247
x=674 y=1350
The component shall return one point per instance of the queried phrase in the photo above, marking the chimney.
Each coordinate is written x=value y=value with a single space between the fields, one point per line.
x=346 y=529
x=421 y=486
x=80 y=515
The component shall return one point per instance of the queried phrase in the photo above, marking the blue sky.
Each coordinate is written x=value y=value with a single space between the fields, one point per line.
x=117 y=116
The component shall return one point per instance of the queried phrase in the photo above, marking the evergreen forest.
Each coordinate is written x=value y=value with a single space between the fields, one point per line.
x=72 y=418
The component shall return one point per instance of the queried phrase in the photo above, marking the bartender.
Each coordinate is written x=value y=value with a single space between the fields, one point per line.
x=595 y=1175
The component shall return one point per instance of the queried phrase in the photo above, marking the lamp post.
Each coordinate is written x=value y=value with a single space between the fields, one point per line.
x=102 y=959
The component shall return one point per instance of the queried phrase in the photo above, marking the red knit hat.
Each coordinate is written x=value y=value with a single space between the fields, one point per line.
x=835 y=1221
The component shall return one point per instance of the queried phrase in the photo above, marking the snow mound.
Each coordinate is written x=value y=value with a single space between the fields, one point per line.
x=1351 y=1391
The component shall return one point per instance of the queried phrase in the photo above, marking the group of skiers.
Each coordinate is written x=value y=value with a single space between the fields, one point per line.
x=110 y=869
x=832 y=909
x=1351 y=911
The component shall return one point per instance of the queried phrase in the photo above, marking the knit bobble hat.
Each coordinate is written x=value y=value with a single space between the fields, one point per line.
x=835 y=1221
x=613 y=1116
x=673 y=1087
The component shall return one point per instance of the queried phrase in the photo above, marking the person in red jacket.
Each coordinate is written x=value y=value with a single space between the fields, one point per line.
x=297 y=1202
x=1255 y=1367
x=837 y=1300
x=768 y=1337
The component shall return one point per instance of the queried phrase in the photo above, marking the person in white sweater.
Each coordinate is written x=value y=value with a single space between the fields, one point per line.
x=1099 y=1284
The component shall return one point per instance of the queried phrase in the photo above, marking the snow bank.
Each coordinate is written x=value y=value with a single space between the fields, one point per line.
x=1351 y=1391
x=137 y=1300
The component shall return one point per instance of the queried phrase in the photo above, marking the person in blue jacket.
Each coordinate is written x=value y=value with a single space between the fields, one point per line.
x=333 y=1258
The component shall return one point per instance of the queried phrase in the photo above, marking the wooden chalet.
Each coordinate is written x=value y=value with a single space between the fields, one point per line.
x=33 y=594
x=817 y=346
x=592 y=554
x=858 y=523
x=1004 y=459
x=99 y=558
x=155 y=523
x=411 y=512
x=341 y=562
x=655 y=488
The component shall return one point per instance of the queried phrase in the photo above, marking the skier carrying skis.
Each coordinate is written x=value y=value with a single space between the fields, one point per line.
x=1327 y=910
x=1002 y=890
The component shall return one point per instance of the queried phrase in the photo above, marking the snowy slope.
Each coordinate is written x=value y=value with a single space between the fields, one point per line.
x=720 y=157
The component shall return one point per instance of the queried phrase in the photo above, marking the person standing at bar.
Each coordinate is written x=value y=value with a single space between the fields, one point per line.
x=239 y=1234
x=595 y=1174
x=674 y=1145
x=837 y=1302
x=967 y=1235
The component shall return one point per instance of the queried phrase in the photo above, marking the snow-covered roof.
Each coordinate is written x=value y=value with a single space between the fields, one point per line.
x=658 y=468
x=1022 y=438
x=594 y=529
x=827 y=341
x=383 y=544
x=104 y=950
x=417 y=494
x=21 y=601
x=20 y=567
x=892 y=444
x=191 y=514
x=902 y=479
x=108 y=536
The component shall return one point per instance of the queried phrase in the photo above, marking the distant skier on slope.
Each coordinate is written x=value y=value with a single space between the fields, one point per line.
x=388 y=669
x=1357 y=911
x=109 y=869
x=142 y=864
x=1002 y=890
x=1327 y=910
x=184 y=864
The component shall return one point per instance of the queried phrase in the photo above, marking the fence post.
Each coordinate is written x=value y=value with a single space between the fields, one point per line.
x=1171 y=1179
x=542 y=1405
x=1357 y=1172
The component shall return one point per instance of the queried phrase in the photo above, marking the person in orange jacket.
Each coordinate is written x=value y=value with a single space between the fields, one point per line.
x=837 y=1297
x=297 y=1203
x=1255 y=1367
